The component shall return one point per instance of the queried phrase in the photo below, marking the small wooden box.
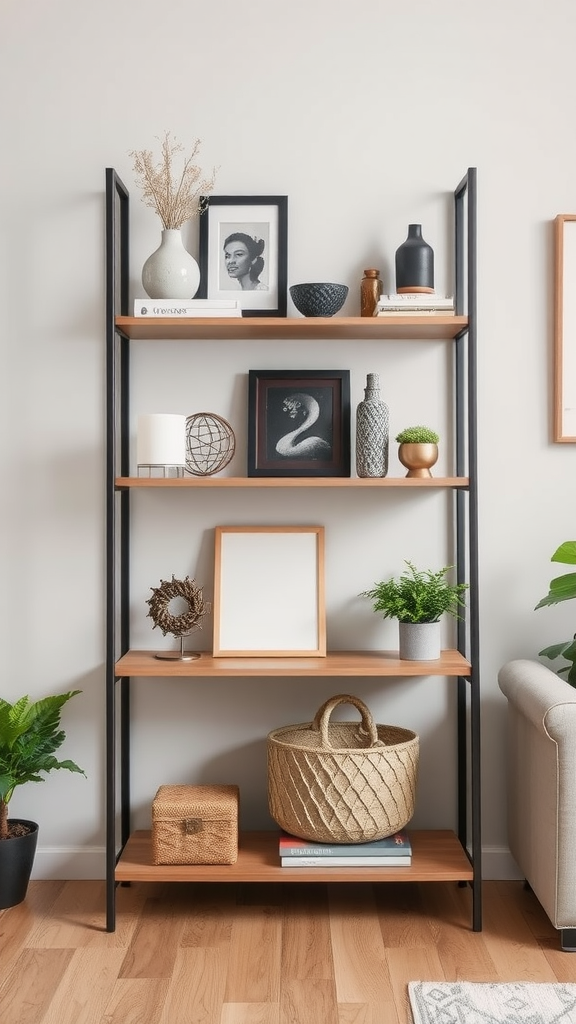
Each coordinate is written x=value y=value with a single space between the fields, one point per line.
x=195 y=825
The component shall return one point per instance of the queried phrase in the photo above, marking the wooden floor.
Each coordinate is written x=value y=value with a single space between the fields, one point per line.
x=253 y=953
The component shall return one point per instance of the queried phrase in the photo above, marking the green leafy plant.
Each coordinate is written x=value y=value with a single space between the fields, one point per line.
x=417 y=595
x=562 y=588
x=417 y=435
x=29 y=734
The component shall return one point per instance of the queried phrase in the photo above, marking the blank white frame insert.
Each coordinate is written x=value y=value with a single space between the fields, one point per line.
x=269 y=597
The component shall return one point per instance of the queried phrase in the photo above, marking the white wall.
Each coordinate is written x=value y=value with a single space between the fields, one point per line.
x=366 y=117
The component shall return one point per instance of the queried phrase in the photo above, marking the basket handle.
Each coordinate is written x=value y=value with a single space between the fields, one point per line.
x=367 y=726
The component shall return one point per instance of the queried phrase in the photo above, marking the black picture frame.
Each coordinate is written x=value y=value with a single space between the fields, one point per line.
x=275 y=396
x=264 y=221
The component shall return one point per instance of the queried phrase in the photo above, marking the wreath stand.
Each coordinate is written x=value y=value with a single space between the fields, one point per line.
x=180 y=655
x=179 y=626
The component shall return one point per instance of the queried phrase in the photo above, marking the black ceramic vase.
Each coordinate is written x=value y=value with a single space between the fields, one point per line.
x=414 y=263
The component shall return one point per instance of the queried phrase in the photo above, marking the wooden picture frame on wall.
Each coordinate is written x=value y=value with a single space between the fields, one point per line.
x=269 y=597
x=564 y=427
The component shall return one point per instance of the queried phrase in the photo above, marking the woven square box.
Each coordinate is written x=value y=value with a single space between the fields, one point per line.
x=195 y=825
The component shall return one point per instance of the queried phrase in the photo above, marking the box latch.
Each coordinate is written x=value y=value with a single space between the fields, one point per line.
x=192 y=826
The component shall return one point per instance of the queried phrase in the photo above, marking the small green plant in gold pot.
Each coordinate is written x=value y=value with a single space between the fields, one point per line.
x=417 y=435
x=418 y=450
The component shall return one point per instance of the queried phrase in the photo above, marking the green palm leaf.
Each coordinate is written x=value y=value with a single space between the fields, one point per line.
x=30 y=733
x=562 y=588
x=566 y=553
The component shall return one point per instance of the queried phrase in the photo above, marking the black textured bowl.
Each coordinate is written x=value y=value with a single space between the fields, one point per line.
x=322 y=298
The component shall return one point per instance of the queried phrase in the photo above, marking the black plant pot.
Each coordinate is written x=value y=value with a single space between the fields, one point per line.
x=16 y=861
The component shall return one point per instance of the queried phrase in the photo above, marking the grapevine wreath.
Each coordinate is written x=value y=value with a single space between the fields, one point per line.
x=178 y=625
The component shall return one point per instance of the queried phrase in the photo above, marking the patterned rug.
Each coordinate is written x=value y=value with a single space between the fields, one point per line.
x=434 y=1002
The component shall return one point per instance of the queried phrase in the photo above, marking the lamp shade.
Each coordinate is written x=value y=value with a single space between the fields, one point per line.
x=161 y=440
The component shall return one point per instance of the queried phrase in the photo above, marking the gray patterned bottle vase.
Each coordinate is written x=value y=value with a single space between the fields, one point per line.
x=414 y=263
x=372 y=431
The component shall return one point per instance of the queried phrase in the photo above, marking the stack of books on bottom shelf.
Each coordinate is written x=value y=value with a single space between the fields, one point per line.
x=393 y=852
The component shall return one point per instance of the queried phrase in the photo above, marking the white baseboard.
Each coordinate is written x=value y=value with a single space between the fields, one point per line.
x=89 y=862
x=67 y=862
x=498 y=864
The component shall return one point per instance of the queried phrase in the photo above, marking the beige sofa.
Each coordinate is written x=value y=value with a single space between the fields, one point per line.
x=542 y=787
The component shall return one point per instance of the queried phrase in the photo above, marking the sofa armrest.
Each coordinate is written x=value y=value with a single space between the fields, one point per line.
x=542 y=783
x=540 y=695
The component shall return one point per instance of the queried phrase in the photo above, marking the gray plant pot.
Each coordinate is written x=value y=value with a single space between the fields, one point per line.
x=419 y=641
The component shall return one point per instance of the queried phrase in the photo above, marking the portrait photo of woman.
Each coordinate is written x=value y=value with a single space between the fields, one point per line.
x=243 y=253
x=244 y=260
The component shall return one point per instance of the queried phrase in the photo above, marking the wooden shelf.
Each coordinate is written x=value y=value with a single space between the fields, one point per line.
x=437 y=856
x=427 y=327
x=336 y=663
x=417 y=483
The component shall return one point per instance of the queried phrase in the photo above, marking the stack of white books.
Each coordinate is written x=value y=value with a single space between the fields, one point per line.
x=414 y=303
x=187 y=307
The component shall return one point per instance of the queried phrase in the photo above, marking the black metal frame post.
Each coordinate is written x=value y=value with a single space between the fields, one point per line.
x=117 y=513
x=469 y=763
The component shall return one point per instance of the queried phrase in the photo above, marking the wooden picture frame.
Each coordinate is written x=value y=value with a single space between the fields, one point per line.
x=244 y=252
x=298 y=423
x=269 y=597
x=564 y=426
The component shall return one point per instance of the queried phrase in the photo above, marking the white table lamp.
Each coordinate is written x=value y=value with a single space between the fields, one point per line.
x=161 y=444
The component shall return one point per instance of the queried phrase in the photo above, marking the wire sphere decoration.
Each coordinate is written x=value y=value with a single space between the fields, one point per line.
x=210 y=443
x=178 y=625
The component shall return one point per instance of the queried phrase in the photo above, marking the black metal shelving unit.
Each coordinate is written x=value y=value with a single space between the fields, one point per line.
x=118 y=497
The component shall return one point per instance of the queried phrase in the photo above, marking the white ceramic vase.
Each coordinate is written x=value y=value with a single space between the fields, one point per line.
x=419 y=641
x=171 y=272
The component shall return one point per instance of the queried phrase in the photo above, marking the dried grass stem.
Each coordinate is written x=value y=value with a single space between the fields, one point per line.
x=176 y=197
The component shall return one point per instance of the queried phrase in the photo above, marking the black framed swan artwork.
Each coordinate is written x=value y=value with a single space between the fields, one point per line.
x=299 y=423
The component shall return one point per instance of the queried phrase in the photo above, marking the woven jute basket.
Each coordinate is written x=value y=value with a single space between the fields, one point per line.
x=342 y=782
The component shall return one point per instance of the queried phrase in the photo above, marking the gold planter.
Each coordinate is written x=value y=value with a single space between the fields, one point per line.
x=418 y=458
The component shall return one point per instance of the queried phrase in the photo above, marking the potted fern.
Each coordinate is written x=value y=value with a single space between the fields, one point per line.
x=29 y=734
x=418 y=450
x=418 y=598
x=562 y=588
